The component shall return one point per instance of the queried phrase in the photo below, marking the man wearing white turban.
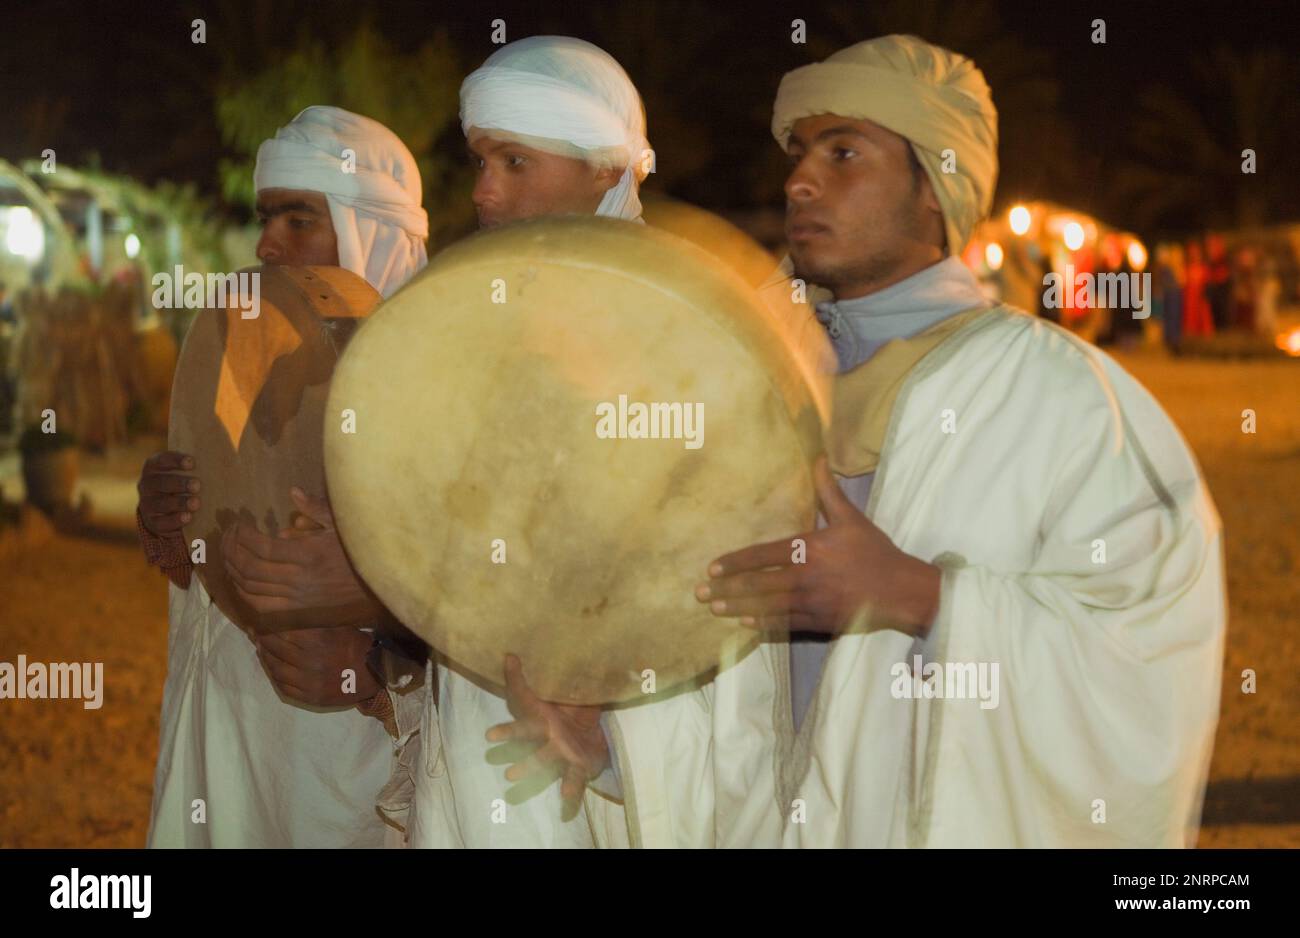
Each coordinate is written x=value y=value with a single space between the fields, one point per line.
x=556 y=126
x=245 y=761
x=370 y=183
x=1008 y=628
x=554 y=96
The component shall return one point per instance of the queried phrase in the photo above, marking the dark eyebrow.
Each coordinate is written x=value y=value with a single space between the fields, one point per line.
x=279 y=208
x=839 y=130
x=488 y=147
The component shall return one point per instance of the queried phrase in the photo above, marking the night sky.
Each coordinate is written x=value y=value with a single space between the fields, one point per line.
x=124 y=81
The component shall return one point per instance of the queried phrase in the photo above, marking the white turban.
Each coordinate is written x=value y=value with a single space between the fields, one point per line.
x=374 y=202
x=936 y=99
x=565 y=96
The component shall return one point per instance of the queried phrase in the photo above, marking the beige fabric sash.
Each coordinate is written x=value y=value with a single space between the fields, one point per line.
x=863 y=398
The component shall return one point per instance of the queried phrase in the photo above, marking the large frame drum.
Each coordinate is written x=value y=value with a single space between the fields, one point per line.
x=558 y=425
x=248 y=403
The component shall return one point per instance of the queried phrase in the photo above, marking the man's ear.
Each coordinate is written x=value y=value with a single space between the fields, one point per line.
x=928 y=198
x=607 y=177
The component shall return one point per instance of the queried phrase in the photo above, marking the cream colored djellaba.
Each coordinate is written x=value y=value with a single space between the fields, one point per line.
x=1082 y=556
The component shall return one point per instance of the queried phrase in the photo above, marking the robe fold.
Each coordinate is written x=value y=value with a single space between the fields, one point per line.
x=269 y=772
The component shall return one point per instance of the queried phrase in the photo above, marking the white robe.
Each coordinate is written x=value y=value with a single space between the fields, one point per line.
x=698 y=769
x=459 y=798
x=1109 y=669
x=270 y=773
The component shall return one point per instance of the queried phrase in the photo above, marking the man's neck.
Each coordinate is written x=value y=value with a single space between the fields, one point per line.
x=897 y=275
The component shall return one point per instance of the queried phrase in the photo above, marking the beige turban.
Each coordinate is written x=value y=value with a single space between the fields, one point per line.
x=936 y=99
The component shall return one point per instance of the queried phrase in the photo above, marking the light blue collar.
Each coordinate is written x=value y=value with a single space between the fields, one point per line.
x=859 y=326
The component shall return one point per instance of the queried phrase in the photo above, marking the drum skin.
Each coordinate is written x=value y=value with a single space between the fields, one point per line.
x=248 y=400
x=713 y=233
x=478 y=500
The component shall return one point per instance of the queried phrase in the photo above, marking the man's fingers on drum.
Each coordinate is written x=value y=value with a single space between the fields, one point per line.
x=261 y=602
x=756 y=557
x=311 y=642
x=517 y=689
x=158 y=505
x=748 y=584
x=163 y=523
x=283 y=653
x=300 y=684
x=251 y=579
x=526 y=731
x=272 y=579
x=782 y=624
x=574 y=783
x=294 y=692
x=753 y=607
x=314 y=509
x=168 y=460
x=254 y=544
x=167 y=483
x=535 y=764
x=301 y=525
x=291 y=681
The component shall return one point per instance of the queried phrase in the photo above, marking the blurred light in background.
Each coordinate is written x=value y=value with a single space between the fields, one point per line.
x=1073 y=236
x=1019 y=219
x=1289 y=342
x=132 y=246
x=1137 y=255
x=24 y=235
x=993 y=255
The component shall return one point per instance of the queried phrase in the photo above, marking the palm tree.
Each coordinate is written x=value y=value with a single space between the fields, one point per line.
x=1186 y=164
x=416 y=95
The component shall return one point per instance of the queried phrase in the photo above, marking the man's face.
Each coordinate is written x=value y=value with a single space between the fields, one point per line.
x=296 y=229
x=859 y=214
x=516 y=182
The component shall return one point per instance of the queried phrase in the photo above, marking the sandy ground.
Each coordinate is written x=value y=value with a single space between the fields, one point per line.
x=1254 y=794
x=76 y=777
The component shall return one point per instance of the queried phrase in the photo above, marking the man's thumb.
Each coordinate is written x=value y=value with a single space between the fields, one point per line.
x=835 y=504
x=317 y=509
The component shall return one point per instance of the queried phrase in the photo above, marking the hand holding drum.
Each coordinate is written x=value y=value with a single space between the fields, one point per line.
x=558 y=424
x=247 y=408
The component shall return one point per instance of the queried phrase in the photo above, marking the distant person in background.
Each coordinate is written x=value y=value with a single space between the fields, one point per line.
x=7 y=314
x=1042 y=263
x=1167 y=284
x=1245 y=286
x=1125 y=329
x=1088 y=321
x=8 y=380
x=1218 y=287
x=1196 y=309
x=1269 y=288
